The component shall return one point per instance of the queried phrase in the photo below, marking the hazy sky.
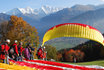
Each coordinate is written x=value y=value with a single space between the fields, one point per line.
x=6 y=5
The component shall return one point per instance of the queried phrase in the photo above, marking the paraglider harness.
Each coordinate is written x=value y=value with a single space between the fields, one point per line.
x=12 y=52
x=12 y=49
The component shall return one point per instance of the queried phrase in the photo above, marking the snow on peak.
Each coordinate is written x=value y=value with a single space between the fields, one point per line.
x=27 y=10
x=14 y=11
x=17 y=11
x=49 y=9
x=44 y=10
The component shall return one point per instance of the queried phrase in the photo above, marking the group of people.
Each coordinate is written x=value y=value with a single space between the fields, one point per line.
x=17 y=52
x=14 y=51
x=42 y=53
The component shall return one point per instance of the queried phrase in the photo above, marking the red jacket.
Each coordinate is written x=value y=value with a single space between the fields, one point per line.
x=4 y=51
x=44 y=54
x=16 y=48
x=21 y=49
x=40 y=52
x=7 y=48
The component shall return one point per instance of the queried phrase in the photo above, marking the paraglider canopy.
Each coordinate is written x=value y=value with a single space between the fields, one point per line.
x=73 y=30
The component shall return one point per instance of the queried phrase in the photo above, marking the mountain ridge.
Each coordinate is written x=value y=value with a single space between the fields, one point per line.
x=44 y=10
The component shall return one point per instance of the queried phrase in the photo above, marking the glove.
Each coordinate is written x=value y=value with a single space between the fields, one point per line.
x=18 y=55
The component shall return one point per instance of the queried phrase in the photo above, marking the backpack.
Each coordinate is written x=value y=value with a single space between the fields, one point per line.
x=12 y=49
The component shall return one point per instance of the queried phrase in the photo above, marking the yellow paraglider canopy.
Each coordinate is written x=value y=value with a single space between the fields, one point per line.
x=73 y=30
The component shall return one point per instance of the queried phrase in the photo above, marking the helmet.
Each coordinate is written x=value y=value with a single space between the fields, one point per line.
x=15 y=41
x=8 y=40
x=44 y=47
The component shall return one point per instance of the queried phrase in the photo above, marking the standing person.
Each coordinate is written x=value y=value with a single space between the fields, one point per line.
x=31 y=50
x=20 y=50
x=44 y=53
x=39 y=53
x=15 y=49
x=4 y=51
x=75 y=59
x=27 y=53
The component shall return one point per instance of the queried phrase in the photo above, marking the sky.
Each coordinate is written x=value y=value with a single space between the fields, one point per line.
x=6 y=5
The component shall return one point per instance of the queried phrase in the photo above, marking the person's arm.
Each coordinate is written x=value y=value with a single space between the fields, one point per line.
x=16 y=49
x=7 y=49
x=30 y=50
x=22 y=49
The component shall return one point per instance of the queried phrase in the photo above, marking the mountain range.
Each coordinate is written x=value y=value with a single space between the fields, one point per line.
x=46 y=17
x=43 y=11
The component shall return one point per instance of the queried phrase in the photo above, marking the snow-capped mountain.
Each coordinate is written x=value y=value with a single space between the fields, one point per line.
x=44 y=10
x=14 y=11
x=48 y=9
x=17 y=11
x=27 y=10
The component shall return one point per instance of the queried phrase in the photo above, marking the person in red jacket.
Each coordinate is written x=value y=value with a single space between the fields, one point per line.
x=4 y=51
x=15 y=50
x=20 y=50
x=39 y=53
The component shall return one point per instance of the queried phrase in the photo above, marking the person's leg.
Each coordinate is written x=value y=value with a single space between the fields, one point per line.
x=31 y=56
x=7 y=59
x=20 y=58
x=4 y=61
x=16 y=58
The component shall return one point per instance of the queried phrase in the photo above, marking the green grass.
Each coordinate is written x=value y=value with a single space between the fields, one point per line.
x=65 y=42
x=99 y=62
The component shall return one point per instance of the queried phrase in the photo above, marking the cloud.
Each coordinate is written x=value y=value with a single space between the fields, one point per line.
x=102 y=0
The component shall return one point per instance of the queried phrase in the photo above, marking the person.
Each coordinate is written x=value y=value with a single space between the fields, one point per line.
x=44 y=53
x=26 y=53
x=75 y=59
x=39 y=53
x=4 y=51
x=14 y=51
x=31 y=50
x=20 y=50
x=0 y=43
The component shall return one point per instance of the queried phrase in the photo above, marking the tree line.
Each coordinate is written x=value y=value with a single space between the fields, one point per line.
x=87 y=51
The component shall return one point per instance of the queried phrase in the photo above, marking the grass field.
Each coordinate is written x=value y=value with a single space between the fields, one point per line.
x=99 y=62
x=64 y=42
